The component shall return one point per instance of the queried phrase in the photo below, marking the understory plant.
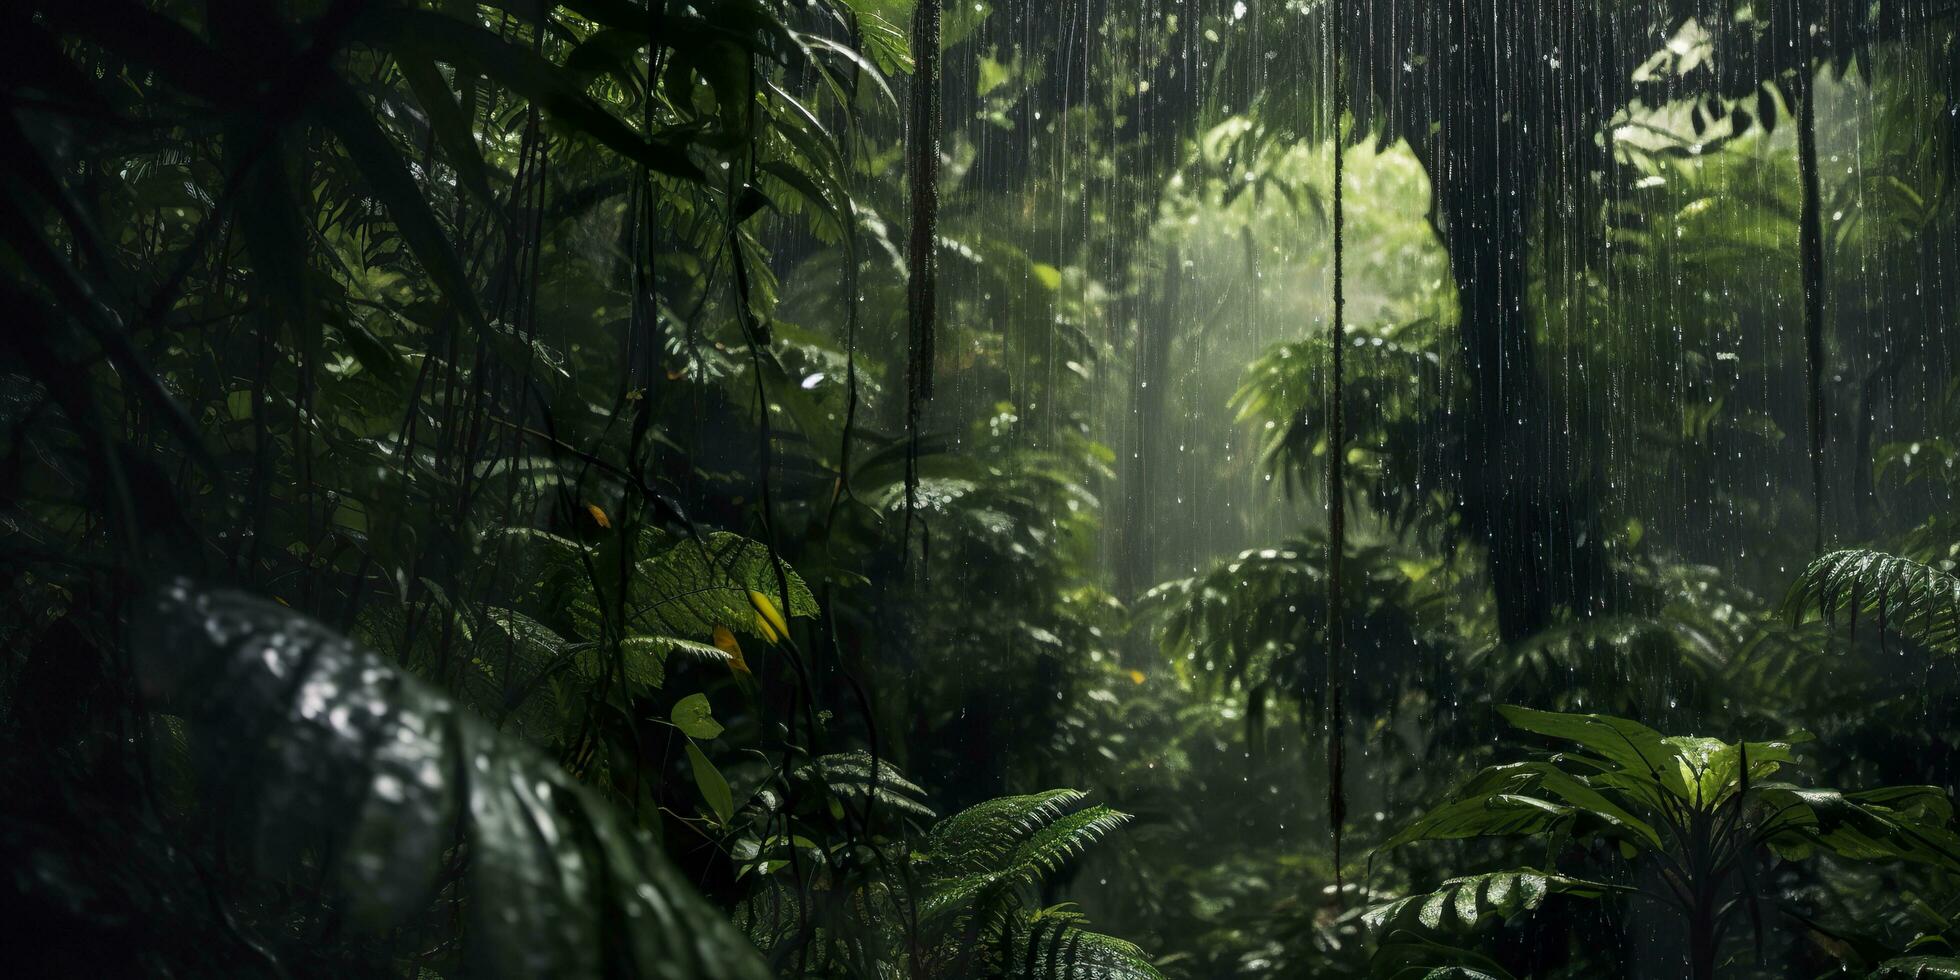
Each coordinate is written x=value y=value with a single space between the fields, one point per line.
x=956 y=901
x=1691 y=822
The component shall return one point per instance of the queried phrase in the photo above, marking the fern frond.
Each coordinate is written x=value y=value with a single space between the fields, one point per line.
x=1911 y=599
x=1053 y=947
x=1643 y=654
x=986 y=834
x=853 y=774
x=1054 y=846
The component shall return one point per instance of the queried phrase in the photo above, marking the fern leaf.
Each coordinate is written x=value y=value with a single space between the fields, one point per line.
x=1909 y=598
x=1051 y=848
x=986 y=834
x=854 y=774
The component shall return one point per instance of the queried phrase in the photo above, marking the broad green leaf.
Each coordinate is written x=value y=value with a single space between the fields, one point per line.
x=693 y=586
x=1628 y=744
x=1861 y=826
x=357 y=779
x=1491 y=814
x=1711 y=768
x=713 y=787
x=695 y=717
x=1408 y=955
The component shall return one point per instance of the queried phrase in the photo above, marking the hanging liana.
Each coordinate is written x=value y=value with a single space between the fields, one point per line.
x=1336 y=478
x=922 y=165
x=1811 y=244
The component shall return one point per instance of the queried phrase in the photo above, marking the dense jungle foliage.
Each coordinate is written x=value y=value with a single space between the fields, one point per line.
x=1036 y=488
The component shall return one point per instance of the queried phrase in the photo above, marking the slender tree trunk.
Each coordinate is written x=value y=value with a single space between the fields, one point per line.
x=1149 y=388
x=1519 y=490
x=1811 y=245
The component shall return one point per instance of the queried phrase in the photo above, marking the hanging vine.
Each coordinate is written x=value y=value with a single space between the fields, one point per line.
x=1811 y=245
x=922 y=165
x=1336 y=476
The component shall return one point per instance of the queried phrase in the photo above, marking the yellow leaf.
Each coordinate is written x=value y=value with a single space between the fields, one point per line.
x=725 y=641
x=768 y=617
x=1137 y=677
x=598 y=515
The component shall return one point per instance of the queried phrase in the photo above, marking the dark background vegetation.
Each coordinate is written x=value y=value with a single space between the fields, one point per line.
x=470 y=502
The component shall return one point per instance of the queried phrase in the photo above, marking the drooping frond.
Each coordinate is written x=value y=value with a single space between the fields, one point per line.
x=854 y=775
x=1911 y=599
x=330 y=763
x=1396 y=440
x=1468 y=903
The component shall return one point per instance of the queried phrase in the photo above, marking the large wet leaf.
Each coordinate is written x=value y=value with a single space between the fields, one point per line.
x=1908 y=823
x=324 y=761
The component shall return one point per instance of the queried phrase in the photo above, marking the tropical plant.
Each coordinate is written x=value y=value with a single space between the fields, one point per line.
x=958 y=905
x=1689 y=818
x=1915 y=600
x=338 y=815
x=1252 y=626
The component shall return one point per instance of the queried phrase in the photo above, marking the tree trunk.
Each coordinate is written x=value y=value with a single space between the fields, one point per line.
x=1701 y=942
x=1148 y=390
x=1519 y=491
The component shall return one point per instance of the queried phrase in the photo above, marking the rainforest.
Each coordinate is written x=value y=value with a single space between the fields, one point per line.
x=943 y=489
